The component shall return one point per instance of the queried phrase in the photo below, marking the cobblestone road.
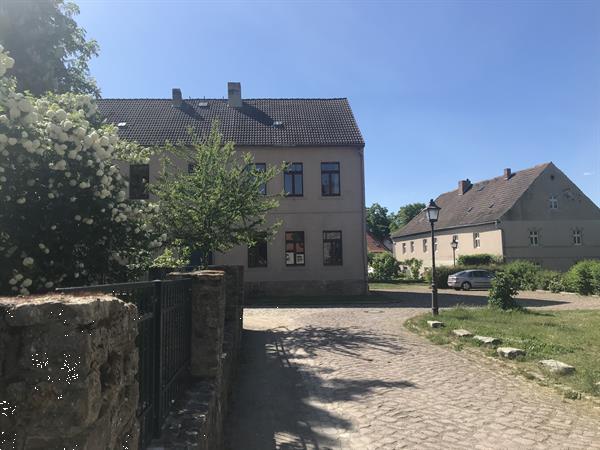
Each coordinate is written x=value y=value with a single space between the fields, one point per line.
x=354 y=378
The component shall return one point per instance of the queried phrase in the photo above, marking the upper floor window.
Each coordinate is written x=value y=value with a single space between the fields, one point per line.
x=257 y=254
x=139 y=174
x=576 y=237
x=476 y=240
x=332 y=248
x=330 y=178
x=553 y=202
x=403 y=248
x=261 y=167
x=435 y=244
x=294 y=248
x=424 y=245
x=534 y=238
x=412 y=246
x=293 y=183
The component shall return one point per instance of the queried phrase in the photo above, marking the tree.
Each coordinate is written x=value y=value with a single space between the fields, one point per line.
x=64 y=216
x=50 y=49
x=404 y=215
x=378 y=221
x=218 y=205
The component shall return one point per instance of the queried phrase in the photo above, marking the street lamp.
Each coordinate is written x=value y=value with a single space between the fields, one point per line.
x=433 y=212
x=454 y=245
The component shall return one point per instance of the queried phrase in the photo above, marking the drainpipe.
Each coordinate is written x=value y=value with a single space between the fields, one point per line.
x=364 y=218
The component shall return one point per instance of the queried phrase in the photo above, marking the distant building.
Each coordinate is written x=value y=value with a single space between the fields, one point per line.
x=320 y=246
x=537 y=214
x=375 y=245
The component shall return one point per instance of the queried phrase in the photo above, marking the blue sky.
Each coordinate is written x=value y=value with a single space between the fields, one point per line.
x=442 y=90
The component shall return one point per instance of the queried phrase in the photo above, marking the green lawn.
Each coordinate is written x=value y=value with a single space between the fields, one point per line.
x=572 y=337
x=396 y=285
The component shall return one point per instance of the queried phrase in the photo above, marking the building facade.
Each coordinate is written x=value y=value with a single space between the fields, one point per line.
x=536 y=214
x=320 y=246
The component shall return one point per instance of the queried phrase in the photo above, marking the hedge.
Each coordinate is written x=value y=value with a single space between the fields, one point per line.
x=480 y=259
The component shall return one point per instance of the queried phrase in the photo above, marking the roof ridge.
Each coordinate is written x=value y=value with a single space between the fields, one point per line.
x=224 y=99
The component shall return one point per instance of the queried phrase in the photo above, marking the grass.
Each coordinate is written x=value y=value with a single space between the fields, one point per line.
x=572 y=337
x=394 y=285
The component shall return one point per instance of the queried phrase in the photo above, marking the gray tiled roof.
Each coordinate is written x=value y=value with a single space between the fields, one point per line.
x=486 y=201
x=304 y=121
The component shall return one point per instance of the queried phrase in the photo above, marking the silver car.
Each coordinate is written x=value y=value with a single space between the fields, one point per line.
x=471 y=279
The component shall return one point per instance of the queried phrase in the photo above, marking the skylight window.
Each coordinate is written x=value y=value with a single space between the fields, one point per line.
x=203 y=104
x=277 y=124
x=122 y=124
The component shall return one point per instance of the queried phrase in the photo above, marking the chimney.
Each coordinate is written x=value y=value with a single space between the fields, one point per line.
x=507 y=173
x=463 y=186
x=176 y=98
x=234 y=94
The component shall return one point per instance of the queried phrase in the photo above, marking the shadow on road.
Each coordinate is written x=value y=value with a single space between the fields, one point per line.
x=392 y=299
x=276 y=406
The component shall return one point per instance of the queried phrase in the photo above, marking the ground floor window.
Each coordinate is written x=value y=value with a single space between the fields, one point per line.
x=534 y=238
x=294 y=248
x=476 y=240
x=424 y=245
x=257 y=254
x=403 y=248
x=332 y=248
x=412 y=246
x=576 y=237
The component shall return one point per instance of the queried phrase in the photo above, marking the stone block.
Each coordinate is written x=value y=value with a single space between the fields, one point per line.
x=557 y=367
x=487 y=340
x=462 y=333
x=510 y=352
x=435 y=324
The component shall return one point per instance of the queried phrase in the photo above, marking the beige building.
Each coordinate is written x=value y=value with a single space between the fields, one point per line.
x=320 y=246
x=537 y=214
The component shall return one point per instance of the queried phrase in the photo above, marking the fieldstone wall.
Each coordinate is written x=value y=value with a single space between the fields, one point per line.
x=217 y=309
x=67 y=373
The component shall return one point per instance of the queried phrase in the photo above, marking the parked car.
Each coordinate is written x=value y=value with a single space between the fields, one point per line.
x=471 y=279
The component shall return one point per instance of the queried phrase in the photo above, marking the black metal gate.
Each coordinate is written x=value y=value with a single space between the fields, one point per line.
x=164 y=333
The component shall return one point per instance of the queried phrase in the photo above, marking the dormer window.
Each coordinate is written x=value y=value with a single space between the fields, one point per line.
x=553 y=202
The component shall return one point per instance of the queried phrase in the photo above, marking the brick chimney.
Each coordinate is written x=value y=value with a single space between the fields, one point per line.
x=234 y=94
x=463 y=186
x=507 y=173
x=177 y=99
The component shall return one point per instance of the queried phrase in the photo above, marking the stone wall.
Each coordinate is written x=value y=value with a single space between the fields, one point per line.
x=217 y=309
x=67 y=373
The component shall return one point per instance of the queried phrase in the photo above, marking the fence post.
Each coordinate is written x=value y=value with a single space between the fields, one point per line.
x=158 y=350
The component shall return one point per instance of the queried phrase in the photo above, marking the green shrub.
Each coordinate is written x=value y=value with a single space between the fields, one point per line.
x=414 y=267
x=583 y=277
x=525 y=274
x=385 y=267
x=503 y=290
x=480 y=259
x=549 y=280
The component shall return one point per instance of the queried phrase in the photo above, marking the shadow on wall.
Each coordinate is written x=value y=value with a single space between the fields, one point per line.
x=276 y=404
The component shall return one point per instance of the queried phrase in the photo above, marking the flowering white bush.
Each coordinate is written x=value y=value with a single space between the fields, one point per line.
x=64 y=214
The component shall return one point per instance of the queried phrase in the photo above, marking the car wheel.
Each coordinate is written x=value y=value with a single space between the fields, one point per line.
x=466 y=286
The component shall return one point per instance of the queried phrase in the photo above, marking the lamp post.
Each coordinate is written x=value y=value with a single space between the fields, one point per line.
x=454 y=245
x=433 y=212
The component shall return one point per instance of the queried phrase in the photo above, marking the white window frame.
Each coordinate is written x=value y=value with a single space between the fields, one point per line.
x=435 y=246
x=553 y=202
x=455 y=238
x=476 y=240
x=534 y=238
x=577 y=241
x=424 y=245
x=412 y=246
x=404 y=248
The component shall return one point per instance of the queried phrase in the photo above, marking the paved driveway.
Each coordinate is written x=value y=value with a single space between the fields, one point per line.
x=354 y=378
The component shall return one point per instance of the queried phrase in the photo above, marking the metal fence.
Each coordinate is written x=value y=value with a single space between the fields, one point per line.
x=164 y=333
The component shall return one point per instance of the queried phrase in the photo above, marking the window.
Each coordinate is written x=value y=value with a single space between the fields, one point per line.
x=139 y=174
x=576 y=237
x=435 y=244
x=257 y=254
x=332 y=248
x=476 y=240
x=412 y=246
x=294 y=248
x=553 y=202
x=192 y=167
x=404 y=248
x=261 y=167
x=455 y=239
x=534 y=238
x=330 y=178
x=292 y=180
x=424 y=245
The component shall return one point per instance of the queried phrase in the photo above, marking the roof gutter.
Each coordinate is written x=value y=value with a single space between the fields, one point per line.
x=446 y=228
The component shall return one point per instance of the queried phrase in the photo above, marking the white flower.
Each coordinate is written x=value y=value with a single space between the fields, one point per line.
x=12 y=281
x=28 y=262
x=49 y=284
x=26 y=282
x=77 y=217
x=12 y=141
x=24 y=291
x=50 y=195
x=53 y=227
x=21 y=200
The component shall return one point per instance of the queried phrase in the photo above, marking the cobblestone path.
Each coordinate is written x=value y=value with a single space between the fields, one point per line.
x=354 y=378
